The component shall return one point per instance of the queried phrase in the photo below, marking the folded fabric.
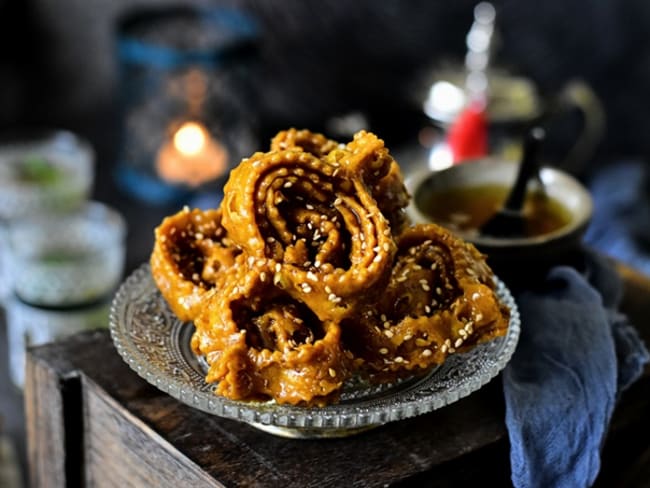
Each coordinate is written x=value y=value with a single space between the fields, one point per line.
x=619 y=227
x=576 y=354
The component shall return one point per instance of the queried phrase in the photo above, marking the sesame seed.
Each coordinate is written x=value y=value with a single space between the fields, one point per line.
x=421 y=342
x=278 y=267
x=401 y=279
x=288 y=184
x=408 y=337
x=383 y=350
x=377 y=259
x=195 y=277
x=386 y=232
x=309 y=207
x=434 y=266
x=328 y=289
x=427 y=309
x=263 y=276
x=311 y=276
x=388 y=333
x=479 y=316
x=382 y=317
x=438 y=290
x=458 y=343
x=399 y=359
x=306 y=288
x=332 y=372
x=427 y=353
x=443 y=348
x=386 y=324
x=317 y=263
x=426 y=287
x=386 y=247
x=462 y=333
x=448 y=342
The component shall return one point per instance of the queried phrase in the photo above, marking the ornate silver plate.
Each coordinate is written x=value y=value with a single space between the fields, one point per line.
x=156 y=345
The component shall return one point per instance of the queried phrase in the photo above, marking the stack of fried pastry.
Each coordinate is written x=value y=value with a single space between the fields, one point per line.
x=308 y=273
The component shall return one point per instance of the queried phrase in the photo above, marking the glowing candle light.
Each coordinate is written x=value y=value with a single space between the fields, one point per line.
x=191 y=156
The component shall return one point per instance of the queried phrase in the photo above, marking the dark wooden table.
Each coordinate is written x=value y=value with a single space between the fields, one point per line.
x=92 y=421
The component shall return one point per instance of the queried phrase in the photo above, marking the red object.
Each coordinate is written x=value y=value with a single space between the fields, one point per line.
x=467 y=137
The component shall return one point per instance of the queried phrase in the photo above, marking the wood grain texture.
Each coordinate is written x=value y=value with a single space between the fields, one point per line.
x=45 y=425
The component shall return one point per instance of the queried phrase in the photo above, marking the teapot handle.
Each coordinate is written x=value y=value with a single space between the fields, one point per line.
x=579 y=95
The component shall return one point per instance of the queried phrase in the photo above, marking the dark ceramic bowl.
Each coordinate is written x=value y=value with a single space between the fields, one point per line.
x=542 y=249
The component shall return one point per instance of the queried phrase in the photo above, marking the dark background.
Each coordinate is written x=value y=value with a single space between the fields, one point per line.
x=325 y=57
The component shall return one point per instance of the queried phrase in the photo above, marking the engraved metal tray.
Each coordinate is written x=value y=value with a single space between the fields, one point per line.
x=156 y=344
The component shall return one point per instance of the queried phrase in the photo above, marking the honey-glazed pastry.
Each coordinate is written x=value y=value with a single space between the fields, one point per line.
x=365 y=158
x=308 y=274
x=392 y=198
x=311 y=142
x=328 y=243
x=260 y=343
x=440 y=299
x=191 y=255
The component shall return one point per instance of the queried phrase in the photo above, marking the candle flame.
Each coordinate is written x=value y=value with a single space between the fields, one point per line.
x=190 y=138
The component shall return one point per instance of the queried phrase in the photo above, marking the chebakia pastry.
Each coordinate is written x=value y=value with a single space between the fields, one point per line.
x=192 y=255
x=440 y=299
x=308 y=273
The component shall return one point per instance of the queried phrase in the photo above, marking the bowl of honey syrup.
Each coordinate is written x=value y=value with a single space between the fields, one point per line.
x=557 y=209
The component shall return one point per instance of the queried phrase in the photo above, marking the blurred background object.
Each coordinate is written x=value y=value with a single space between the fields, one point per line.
x=40 y=169
x=311 y=70
x=187 y=114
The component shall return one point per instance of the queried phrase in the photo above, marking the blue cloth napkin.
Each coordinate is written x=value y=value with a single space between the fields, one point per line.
x=575 y=355
x=620 y=226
